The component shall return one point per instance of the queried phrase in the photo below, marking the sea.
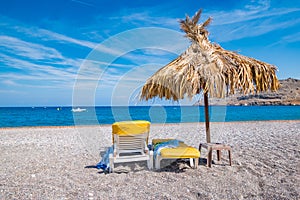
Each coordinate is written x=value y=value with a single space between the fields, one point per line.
x=68 y=116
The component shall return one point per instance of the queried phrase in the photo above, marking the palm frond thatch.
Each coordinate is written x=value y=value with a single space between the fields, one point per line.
x=207 y=67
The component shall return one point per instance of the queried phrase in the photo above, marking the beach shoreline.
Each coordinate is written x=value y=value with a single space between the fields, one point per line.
x=152 y=124
x=59 y=163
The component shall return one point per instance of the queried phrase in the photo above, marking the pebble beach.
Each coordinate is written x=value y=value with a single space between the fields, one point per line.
x=59 y=163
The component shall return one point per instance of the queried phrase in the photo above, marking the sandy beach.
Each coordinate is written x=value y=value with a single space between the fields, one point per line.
x=58 y=163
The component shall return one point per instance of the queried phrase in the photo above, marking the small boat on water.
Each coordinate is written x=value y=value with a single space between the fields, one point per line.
x=78 y=110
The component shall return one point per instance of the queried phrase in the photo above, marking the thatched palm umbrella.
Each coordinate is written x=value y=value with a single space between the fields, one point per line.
x=207 y=67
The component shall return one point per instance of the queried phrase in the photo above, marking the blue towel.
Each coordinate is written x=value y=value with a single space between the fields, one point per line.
x=104 y=163
x=167 y=144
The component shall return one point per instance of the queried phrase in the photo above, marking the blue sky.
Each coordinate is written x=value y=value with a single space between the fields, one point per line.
x=88 y=52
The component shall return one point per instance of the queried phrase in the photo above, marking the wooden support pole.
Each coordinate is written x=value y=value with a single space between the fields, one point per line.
x=206 y=117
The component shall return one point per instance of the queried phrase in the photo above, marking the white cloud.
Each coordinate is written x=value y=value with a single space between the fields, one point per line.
x=258 y=4
x=35 y=52
x=258 y=14
x=9 y=82
x=29 y=71
x=31 y=66
x=47 y=35
x=240 y=24
x=27 y=49
x=292 y=38
x=63 y=38
x=146 y=19
x=36 y=62
x=82 y=3
x=253 y=12
x=251 y=29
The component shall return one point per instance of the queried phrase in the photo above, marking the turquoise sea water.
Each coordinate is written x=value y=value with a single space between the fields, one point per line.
x=63 y=116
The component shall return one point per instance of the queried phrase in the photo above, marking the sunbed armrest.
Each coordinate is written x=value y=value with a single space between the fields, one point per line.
x=146 y=147
x=115 y=149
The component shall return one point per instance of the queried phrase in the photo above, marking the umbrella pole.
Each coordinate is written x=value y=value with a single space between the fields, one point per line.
x=206 y=117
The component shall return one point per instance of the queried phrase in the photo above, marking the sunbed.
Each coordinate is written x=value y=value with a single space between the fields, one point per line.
x=180 y=151
x=130 y=139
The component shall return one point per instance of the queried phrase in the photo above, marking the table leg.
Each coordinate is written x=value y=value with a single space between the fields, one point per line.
x=209 y=157
x=219 y=154
x=229 y=154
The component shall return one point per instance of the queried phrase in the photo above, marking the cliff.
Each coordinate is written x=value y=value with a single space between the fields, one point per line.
x=288 y=94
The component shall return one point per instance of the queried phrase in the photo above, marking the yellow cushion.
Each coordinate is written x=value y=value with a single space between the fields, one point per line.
x=130 y=127
x=182 y=151
x=156 y=141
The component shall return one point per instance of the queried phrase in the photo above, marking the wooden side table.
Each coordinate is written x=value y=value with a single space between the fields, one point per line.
x=215 y=146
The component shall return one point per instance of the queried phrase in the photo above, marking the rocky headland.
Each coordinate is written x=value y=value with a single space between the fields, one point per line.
x=288 y=94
